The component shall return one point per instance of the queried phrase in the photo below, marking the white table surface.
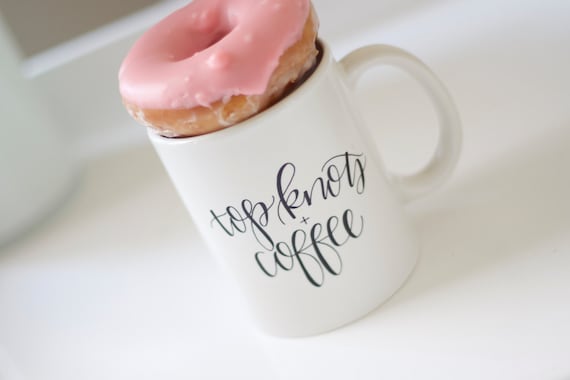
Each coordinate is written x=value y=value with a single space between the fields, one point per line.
x=118 y=285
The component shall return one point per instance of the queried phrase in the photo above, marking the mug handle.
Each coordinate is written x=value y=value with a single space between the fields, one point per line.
x=439 y=167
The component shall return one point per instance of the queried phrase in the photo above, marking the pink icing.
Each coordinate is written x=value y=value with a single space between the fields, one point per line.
x=211 y=50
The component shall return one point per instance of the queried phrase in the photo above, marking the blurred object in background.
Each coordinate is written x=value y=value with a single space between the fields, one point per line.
x=35 y=167
x=39 y=25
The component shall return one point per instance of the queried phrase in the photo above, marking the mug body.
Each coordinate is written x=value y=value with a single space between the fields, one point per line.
x=295 y=204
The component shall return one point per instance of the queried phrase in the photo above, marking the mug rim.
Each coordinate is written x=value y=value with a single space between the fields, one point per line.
x=319 y=72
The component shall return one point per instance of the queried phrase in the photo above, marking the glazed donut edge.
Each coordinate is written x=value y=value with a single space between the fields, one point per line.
x=293 y=64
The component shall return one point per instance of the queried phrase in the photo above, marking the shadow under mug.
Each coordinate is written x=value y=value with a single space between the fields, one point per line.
x=296 y=204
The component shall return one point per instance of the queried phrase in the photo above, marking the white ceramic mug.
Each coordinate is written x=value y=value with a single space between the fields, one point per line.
x=296 y=204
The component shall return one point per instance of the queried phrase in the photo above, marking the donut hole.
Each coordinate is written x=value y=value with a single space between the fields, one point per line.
x=218 y=36
x=220 y=25
x=205 y=29
x=206 y=43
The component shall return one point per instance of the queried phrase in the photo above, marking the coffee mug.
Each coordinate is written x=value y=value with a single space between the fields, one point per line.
x=295 y=201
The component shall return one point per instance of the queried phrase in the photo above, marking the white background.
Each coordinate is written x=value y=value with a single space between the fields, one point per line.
x=117 y=285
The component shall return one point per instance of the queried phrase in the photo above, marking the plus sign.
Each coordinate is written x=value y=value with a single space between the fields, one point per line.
x=305 y=220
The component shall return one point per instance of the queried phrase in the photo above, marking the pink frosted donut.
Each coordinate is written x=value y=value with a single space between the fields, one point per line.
x=215 y=63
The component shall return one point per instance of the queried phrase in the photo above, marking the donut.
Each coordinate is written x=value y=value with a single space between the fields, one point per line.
x=215 y=63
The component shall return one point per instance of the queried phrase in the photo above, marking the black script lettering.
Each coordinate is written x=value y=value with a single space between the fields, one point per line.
x=235 y=219
x=314 y=249
x=353 y=168
x=348 y=222
x=325 y=251
x=315 y=252
x=287 y=199
x=256 y=215
x=346 y=168
x=286 y=255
